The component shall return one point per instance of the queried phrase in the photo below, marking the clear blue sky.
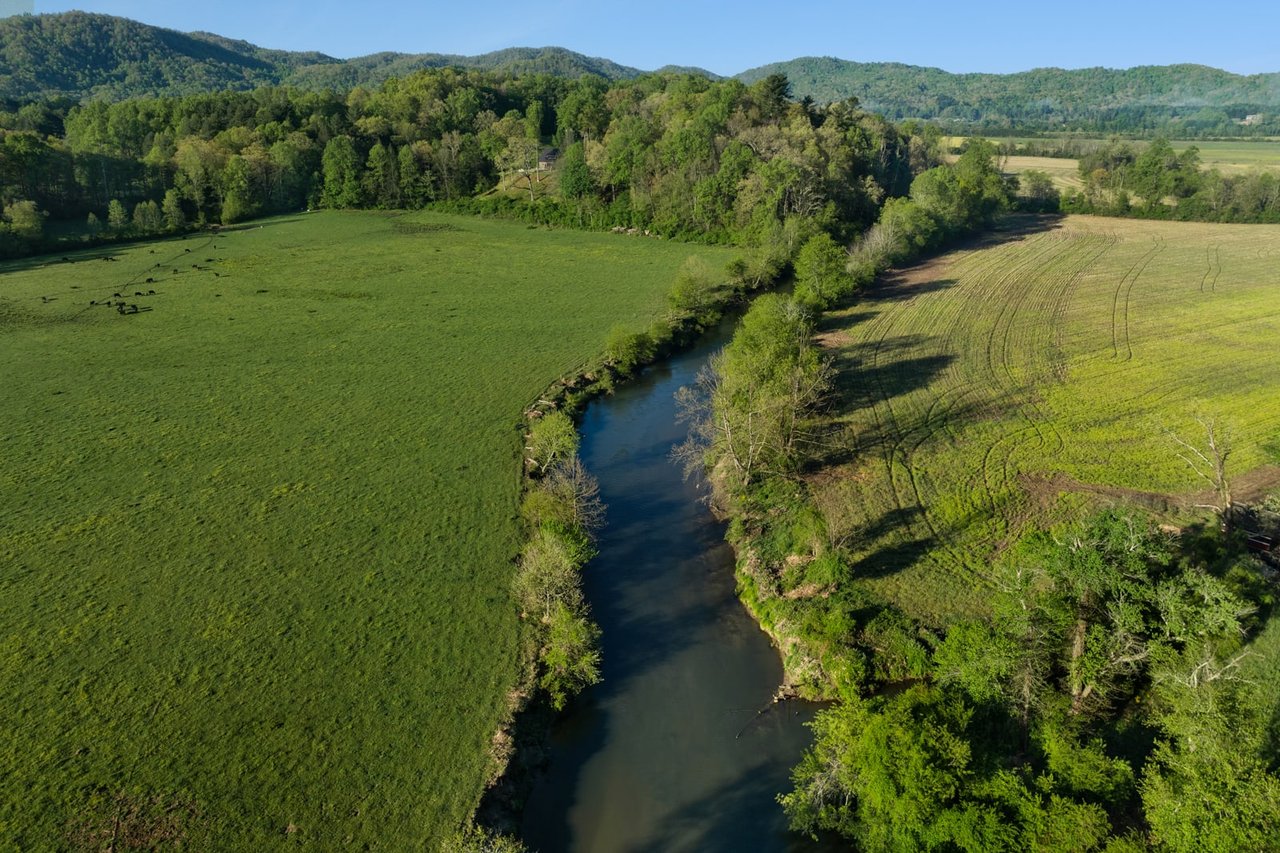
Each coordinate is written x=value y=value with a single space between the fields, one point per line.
x=728 y=37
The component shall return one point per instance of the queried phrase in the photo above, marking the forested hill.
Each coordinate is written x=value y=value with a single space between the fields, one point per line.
x=81 y=55
x=1089 y=98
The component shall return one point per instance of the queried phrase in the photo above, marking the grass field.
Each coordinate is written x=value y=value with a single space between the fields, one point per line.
x=1004 y=385
x=1229 y=157
x=256 y=543
x=1065 y=173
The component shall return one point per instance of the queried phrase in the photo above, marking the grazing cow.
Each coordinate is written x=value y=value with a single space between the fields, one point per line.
x=120 y=308
x=93 y=302
x=137 y=293
x=175 y=272
x=116 y=295
x=151 y=293
x=151 y=281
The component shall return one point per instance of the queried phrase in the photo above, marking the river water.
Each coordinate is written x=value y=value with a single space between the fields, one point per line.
x=668 y=752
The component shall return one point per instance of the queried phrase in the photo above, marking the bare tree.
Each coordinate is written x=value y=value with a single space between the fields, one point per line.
x=577 y=492
x=1209 y=461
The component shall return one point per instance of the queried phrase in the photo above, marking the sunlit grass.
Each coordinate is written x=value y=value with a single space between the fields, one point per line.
x=256 y=541
x=1002 y=386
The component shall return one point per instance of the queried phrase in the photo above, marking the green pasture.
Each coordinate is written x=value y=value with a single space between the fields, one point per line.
x=1005 y=385
x=257 y=539
x=1232 y=157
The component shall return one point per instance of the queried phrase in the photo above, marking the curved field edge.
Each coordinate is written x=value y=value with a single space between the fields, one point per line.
x=1006 y=385
x=258 y=537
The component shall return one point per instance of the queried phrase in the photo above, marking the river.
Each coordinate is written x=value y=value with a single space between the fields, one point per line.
x=668 y=752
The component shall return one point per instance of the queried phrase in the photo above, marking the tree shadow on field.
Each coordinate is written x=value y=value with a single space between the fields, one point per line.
x=902 y=517
x=891 y=559
x=898 y=287
x=859 y=380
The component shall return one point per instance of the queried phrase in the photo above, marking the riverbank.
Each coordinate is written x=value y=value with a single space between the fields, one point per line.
x=681 y=745
x=698 y=301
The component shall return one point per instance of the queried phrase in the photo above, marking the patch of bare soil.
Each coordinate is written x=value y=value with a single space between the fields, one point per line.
x=1256 y=485
x=1043 y=491
x=1246 y=489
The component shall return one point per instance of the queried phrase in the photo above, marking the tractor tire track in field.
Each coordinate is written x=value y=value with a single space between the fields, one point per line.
x=986 y=369
x=1213 y=268
x=999 y=371
x=940 y=414
x=1049 y=288
x=1057 y=321
x=888 y=422
x=926 y=430
x=1119 y=311
x=1020 y=292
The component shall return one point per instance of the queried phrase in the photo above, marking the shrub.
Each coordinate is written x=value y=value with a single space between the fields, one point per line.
x=551 y=438
x=627 y=350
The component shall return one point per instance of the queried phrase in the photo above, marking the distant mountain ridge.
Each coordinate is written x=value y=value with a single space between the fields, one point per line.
x=81 y=55
x=910 y=91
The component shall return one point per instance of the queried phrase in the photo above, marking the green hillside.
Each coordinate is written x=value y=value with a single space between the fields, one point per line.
x=82 y=55
x=1044 y=97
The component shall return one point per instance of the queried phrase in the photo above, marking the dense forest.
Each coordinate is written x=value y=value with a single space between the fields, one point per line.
x=78 y=55
x=677 y=155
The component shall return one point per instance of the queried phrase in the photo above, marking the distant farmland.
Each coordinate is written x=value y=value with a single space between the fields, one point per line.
x=1006 y=385
x=256 y=550
x=1228 y=157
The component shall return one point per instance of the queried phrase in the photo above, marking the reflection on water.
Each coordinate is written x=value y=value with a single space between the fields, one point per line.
x=669 y=751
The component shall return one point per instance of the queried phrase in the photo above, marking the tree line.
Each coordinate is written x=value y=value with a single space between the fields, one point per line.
x=1158 y=183
x=1109 y=701
x=678 y=155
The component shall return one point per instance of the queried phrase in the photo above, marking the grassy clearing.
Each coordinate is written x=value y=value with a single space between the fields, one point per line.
x=1002 y=386
x=255 y=554
x=1064 y=173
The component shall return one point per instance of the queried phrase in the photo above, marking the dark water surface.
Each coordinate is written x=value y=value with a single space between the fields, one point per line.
x=667 y=753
